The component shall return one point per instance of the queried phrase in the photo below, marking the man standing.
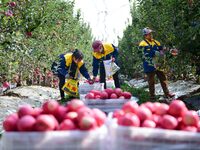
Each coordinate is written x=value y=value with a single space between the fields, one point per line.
x=153 y=57
x=101 y=52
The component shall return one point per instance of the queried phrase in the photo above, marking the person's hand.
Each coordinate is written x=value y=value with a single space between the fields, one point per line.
x=94 y=78
x=113 y=59
x=90 y=81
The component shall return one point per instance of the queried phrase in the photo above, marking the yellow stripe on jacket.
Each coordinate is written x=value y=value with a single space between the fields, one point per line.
x=68 y=60
x=108 y=48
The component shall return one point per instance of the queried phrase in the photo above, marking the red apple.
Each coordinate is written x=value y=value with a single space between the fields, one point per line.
x=45 y=122
x=95 y=92
x=37 y=112
x=121 y=97
x=109 y=91
x=177 y=108
x=84 y=111
x=113 y=96
x=129 y=119
x=103 y=95
x=10 y=122
x=12 y=4
x=118 y=91
x=144 y=113
x=169 y=122
x=90 y=96
x=50 y=107
x=67 y=124
x=161 y=109
x=99 y=116
x=189 y=128
x=60 y=113
x=118 y=113
x=26 y=123
x=25 y=110
x=72 y=116
x=130 y=106
x=97 y=97
x=127 y=95
x=149 y=105
x=87 y=123
x=191 y=118
x=75 y=104
x=149 y=124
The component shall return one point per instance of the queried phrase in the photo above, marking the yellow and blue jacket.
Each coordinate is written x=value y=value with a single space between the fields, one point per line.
x=109 y=51
x=149 y=50
x=66 y=65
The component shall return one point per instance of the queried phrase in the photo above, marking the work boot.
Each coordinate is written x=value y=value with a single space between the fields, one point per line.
x=170 y=95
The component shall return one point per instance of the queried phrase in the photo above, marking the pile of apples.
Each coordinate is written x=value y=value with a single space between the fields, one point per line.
x=174 y=116
x=108 y=93
x=53 y=116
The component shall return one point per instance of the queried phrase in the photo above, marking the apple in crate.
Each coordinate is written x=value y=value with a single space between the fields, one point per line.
x=46 y=122
x=87 y=123
x=95 y=92
x=26 y=123
x=84 y=111
x=149 y=124
x=143 y=113
x=161 y=109
x=191 y=118
x=25 y=110
x=90 y=96
x=10 y=122
x=109 y=91
x=113 y=96
x=118 y=113
x=99 y=116
x=103 y=95
x=118 y=91
x=177 y=108
x=75 y=104
x=127 y=95
x=130 y=106
x=67 y=124
x=129 y=119
x=72 y=116
x=169 y=122
x=50 y=107
x=60 y=113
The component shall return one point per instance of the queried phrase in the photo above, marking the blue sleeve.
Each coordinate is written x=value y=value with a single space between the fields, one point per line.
x=62 y=69
x=84 y=71
x=115 y=52
x=95 y=65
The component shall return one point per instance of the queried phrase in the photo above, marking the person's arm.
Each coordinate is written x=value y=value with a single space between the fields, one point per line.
x=115 y=53
x=95 y=66
x=84 y=72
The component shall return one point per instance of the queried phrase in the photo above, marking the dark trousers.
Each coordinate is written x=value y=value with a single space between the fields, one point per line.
x=151 y=81
x=103 y=78
x=61 y=84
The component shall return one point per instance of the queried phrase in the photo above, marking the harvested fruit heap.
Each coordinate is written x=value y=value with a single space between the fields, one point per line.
x=174 y=116
x=53 y=116
x=108 y=93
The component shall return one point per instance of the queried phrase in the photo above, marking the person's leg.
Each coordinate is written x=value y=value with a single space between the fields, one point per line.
x=61 y=84
x=103 y=76
x=151 y=82
x=163 y=81
x=116 y=79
